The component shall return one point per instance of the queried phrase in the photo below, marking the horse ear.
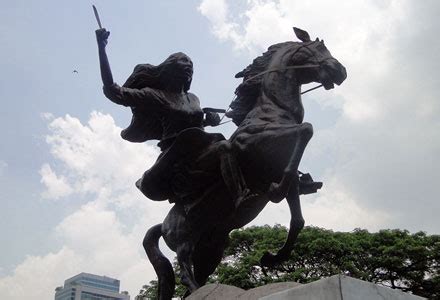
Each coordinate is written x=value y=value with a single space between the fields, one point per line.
x=301 y=34
x=239 y=74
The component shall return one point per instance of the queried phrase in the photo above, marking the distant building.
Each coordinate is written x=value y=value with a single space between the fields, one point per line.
x=85 y=286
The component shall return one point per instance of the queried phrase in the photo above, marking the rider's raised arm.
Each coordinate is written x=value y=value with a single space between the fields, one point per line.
x=106 y=73
x=115 y=93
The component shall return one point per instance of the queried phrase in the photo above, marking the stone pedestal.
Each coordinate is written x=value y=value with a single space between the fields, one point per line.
x=337 y=287
x=341 y=287
x=219 y=291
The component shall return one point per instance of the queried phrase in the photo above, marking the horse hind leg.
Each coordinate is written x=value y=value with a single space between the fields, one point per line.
x=184 y=258
x=296 y=225
x=161 y=265
x=278 y=191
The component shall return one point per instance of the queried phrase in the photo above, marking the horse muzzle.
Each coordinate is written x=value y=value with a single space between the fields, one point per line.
x=332 y=72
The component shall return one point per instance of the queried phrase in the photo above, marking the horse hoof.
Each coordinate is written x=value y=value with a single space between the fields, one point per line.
x=270 y=260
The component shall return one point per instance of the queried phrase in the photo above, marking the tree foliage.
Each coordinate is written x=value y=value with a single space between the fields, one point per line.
x=149 y=291
x=393 y=258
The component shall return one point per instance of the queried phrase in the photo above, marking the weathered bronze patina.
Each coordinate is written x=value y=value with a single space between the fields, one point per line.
x=218 y=185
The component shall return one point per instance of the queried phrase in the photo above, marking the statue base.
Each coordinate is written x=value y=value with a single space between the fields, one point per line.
x=337 y=287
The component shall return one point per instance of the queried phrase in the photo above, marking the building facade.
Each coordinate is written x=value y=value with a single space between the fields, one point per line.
x=85 y=286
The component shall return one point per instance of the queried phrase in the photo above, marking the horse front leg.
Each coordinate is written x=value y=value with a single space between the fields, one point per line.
x=208 y=255
x=296 y=225
x=278 y=191
x=184 y=258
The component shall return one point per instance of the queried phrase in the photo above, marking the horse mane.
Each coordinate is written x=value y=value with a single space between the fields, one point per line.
x=249 y=90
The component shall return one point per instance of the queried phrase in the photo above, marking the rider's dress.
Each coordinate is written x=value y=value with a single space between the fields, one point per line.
x=175 y=119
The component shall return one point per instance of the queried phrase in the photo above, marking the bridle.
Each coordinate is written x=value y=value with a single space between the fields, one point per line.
x=317 y=64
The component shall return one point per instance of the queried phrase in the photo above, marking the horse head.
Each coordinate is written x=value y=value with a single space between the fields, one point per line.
x=324 y=68
x=304 y=62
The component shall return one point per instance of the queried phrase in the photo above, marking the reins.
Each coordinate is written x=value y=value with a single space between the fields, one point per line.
x=276 y=70
x=224 y=111
x=282 y=69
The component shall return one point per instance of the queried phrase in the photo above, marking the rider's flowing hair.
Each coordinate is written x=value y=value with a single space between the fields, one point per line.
x=250 y=89
x=144 y=75
x=156 y=77
x=145 y=124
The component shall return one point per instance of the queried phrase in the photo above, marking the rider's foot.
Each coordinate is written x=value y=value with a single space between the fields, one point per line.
x=307 y=185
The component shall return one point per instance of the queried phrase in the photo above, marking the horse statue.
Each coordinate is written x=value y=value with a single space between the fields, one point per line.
x=268 y=145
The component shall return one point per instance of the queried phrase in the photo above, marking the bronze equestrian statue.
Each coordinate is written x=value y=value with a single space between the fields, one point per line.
x=219 y=185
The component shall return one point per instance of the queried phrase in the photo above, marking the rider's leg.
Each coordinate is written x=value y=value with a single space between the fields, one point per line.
x=231 y=173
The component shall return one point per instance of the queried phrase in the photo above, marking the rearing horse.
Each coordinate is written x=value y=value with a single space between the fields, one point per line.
x=268 y=145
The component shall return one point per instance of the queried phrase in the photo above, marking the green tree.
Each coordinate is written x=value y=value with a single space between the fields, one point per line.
x=393 y=258
x=149 y=291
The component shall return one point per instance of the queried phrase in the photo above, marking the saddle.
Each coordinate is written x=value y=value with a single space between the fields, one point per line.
x=175 y=175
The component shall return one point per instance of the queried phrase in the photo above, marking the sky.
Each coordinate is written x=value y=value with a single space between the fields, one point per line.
x=67 y=194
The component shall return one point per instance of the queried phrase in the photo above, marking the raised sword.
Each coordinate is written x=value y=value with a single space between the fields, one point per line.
x=97 y=16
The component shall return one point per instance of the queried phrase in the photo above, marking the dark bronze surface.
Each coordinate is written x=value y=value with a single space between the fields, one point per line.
x=218 y=185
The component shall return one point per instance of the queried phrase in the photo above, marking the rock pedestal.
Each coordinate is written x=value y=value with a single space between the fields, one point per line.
x=219 y=291
x=337 y=287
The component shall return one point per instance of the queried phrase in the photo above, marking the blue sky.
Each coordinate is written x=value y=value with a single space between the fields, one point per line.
x=68 y=201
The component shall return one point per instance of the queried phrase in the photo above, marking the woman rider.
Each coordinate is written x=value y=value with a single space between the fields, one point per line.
x=163 y=109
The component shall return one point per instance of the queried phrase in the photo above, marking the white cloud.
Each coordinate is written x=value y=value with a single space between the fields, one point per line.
x=105 y=244
x=356 y=32
x=38 y=276
x=47 y=116
x=56 y=186
x=95 y=159
x=104 y=235
x=216 y=11
x=333 y=207
x=382 y=149
x=252 y=35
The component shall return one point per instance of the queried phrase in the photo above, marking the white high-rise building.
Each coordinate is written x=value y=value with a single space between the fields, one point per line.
x=85 y=286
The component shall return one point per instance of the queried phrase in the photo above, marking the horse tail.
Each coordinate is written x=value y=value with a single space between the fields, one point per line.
x=162 y=266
